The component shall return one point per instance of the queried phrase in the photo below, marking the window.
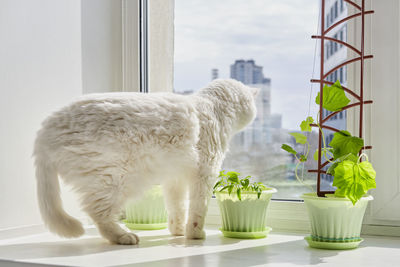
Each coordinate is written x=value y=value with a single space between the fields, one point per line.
x=384 y=209
x=341 y=37
x=334 y=43
x=336 y=9
x=327 y=51
x=341 y=6
x=341 y=76
x=328 y=20
x=243 y=48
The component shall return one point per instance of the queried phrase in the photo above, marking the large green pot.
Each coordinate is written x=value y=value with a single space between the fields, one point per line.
x=246 y=218
x=335 y=222
x=148 y=213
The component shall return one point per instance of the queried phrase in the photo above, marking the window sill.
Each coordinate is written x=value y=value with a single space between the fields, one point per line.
x=292 y=217
x=158 y=248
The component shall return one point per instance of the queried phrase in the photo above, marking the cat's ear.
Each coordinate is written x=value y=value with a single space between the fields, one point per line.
x=255 y=91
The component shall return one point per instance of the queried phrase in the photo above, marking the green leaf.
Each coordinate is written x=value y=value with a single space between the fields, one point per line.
x=233 y=177
x=262 y=186
x=223 y=188
x=355 y=192
x=315 y=156
x=217 y=184
x=245 y=182
x=324 y=153
x=289 y=149
x=343 y=144
x=344 y=174
x=350 y=157
x=305 y=125
x=259 y=191
x=300 y=138
x=230 y=188
x=367 y=174
x=303 y=158
x=334 y=97
x=239 y=194
x=353 y=179
x=331 y=169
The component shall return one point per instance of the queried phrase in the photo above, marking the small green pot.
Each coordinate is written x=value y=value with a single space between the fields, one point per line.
x=244 y=218
x=335 y=220
x=148 y=213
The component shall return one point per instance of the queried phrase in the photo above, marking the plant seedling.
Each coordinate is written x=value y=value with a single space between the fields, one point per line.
x=232 y=183
x=352 y=177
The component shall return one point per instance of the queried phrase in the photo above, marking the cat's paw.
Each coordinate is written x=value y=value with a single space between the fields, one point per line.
x=128 y=239
x=194 y=232
x=176 y=229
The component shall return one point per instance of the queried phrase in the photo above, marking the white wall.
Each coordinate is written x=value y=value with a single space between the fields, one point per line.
x=101 y=46
x=40 y=70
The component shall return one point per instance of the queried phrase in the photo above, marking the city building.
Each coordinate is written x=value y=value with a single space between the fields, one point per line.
x=248 y=72
x=214 y=74
x=335 y=54
x=260 y=132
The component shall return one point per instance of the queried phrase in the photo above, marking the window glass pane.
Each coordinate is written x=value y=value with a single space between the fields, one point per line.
x=265 y=44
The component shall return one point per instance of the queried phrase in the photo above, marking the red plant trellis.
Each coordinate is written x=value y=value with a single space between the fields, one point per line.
x=323 y=75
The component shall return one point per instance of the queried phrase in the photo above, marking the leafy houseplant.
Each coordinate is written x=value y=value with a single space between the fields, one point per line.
x=243 y=206
x=336 y=219
x=148 y=213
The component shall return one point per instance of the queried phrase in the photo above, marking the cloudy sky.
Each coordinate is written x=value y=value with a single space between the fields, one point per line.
x=276 y=34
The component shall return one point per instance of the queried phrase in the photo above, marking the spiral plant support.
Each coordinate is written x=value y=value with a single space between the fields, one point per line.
x=360 y=12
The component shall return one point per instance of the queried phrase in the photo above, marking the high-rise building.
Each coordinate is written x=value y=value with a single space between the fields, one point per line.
x=248 y=72
x=335 y=54
x=214 y=74
x=259 y=133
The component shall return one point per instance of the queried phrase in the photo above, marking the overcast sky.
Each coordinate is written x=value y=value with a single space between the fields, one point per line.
x=275 y=33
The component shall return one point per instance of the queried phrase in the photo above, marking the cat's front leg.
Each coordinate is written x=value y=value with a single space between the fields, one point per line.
x=200 y=194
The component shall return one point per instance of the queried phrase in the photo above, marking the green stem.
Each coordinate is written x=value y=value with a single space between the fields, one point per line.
x=324 y=145
x=300 y=180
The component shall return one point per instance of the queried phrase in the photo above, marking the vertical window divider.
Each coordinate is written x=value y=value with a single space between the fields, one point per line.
x=144 y=46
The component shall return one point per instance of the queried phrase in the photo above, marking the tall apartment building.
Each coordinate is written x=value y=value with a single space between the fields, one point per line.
x=259 y=132
x=248 y=72
x=335 y=54
x=214 y=74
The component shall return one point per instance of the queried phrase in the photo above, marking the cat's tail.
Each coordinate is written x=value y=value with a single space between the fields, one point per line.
x=50 y=204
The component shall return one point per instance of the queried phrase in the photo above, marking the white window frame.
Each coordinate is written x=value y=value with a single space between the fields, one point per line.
x=147 y=45
x=383 y=125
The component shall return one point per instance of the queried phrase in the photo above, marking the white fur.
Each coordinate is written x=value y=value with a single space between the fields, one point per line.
x=111 y=147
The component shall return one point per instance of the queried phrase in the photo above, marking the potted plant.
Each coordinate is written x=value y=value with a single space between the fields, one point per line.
x=336 y=219
x=243 y=206
x=148 y=213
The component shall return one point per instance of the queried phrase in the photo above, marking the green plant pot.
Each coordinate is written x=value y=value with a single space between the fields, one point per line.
x=335 y=220
x=148 y=213
x=244 y=218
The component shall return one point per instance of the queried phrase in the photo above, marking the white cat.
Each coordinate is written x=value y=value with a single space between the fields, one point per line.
x=115 y=146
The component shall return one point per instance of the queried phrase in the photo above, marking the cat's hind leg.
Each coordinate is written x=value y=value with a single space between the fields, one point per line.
x=103 y=202
x=200 y=191
x=175 y=195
